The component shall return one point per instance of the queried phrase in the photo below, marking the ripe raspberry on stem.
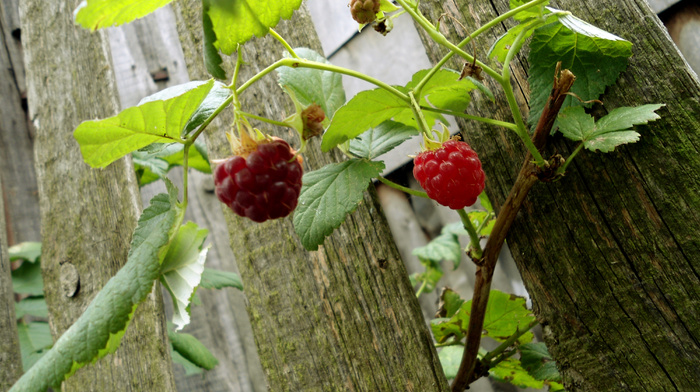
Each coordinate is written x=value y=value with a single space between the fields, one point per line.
x=263 y=179
x=450 y=172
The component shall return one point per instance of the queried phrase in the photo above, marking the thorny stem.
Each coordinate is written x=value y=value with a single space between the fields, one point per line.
x=476 y=250
x=402 y=188
x=284 y=43
x=470 y=369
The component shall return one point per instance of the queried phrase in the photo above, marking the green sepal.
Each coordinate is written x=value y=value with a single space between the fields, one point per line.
x=190 y=348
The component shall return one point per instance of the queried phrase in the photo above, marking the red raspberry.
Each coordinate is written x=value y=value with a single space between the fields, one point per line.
x=451 y=175
x=264 y=185
x=364 y=11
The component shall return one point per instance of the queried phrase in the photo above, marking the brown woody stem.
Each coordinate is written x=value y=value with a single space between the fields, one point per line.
x=471 y=369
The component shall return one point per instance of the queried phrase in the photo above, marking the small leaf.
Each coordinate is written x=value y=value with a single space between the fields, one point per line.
x=575 y=123
x=189 y=367
x=33 y=306
x=328 y=195
x=149 y=169
x=485 y=202
x=499 y=50
x=535 y=358
x=212 y=58
x=98 y=14
x=27 y=279
x=192 y=350
x=444 y=90
x=323 y=88
x=431 y=276
x=450 y=302
x=104 y=141
x=443 y=247
x=182 y=269
x=594 y=56
x=450 y=359
x=29 y=251
x=216 y=279
x=381 y=139
x=235 y=22
x=512 y=372
x=34 y=339
x=444 y=328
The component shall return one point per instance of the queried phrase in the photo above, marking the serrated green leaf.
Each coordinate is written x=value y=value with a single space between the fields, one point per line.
x=626 y=117
x=235 y=22
x=29 y=251
x=192 y=350
x=450 y=359
x=381 y=139
x=512 y=372
x=34 y=339
x=27 y=279
x=608 y=141
x=99 y=329
x=182 y=269
x=366 y=110
x=149 y=170
x=212 y=58
x=575 y=123
x=323 y=88
x=189 y=367
x=33 y=306
x=535 y=358
x=216 y=279
x=444 y=328
x=98 y=14
x=499 y=49
x=104 y=141
x=596 y=58
x=328 y=195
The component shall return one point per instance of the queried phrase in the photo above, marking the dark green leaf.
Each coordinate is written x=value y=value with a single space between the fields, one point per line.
x=29 y=251
x=215 y=279
x=328 y=195
x=323 y=88
x=149 y=170
x=512 y=372
x=450 y=359
x=381 y=139
x=593 y=55
x=189 y=367
x=535 y=358
x=98 y=14
x=27 y=279
x=33 y=306
x=212 y=58
x=192 y=350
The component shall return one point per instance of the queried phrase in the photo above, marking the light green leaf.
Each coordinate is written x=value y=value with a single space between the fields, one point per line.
x=27 y=279
x=444 y=328
x=575 y=123
x=212 y=58
x=624 y=118
x=594 y=56
x=443 y=247
x=216 y=279
x=29 y=251
x=512 y=372
x=430 y=277
x=182 y=269
x=499 y=50
x=104 y=141
x=444 y=90
x=450 y=302
x=366 y=110
x=323 y=88
x=33 y=306
x=381 y=139
x=192 y=350
x=485 y=202
x=99 y=329
x=189 y=367
x=235 y=22
x=532 y=12
x=328 y=195
x=450 y=359
x=98 y=14
x=535 y=358
x=34 y=339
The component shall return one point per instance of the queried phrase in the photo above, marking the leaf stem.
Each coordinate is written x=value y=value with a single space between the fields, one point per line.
x=563 y=167
x=422 y=288
x=475 y=241
x=485 y=120
x=264 y=119
x=402 y=188
x=185 y=176
x=284 y=43
x=190 y=140
x=420 y=118
x=486 y=359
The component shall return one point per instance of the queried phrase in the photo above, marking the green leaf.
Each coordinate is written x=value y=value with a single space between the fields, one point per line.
x=212 y=58
x=104 y=141
x=512 y=372
x=154 y=161
x=444 y=90
x=33 y=306
x=485 y=202
x=216 y=279
x=533 y=12
x=27 y=279
x=149 y=168
x=182 y=269
x=431 y=276
x=29 y=251
x=610 y=131
x=450 y=359
x=443 y=247
x=189 y=367
x=98 y=14
x=593 y=55
x=192 y=350
x=235 y=22
x=323 y=88
x=450 y=302
x=535 y=358
x=381 y=139
x=99 y=329
x=328 y=195
x=445 y=328
x=34 y=339
x=366 y=110
x=499 y=50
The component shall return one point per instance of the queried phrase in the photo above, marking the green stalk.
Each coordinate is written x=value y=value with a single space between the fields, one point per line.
x=185 y=167
x=509 y=342
x=264 y=119
x=284 y=43
x=421 y=289
x=402 y=188
x=190 y=140
x=420 y=118
x=563 y=167
x=490 y=121
x=473 y=235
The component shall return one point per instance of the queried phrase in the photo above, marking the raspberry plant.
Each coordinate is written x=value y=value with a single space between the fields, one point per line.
x=261 y=179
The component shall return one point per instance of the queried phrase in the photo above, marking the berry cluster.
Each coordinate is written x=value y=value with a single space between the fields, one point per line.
x=451 y=174
x=264 y=185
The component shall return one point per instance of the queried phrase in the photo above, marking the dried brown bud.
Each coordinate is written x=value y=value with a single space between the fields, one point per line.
x=312 y=117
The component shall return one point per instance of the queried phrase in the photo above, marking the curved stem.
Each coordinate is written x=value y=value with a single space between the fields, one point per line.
x=190 y=140
x=420 y=118
x=491 y=121
x=402 y=188
x=563 y=167
x=185 y=167
x=264 y=119
x=421 y=289
x=509 y=342
x=473 y=235
x=284 y=43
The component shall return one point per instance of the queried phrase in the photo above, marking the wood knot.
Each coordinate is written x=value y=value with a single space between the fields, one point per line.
x=70 y=279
